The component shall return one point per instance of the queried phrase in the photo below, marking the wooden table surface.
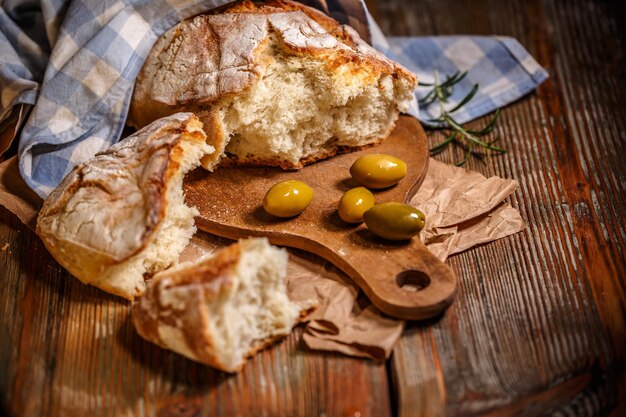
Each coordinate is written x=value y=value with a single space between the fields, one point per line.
x=538 y=325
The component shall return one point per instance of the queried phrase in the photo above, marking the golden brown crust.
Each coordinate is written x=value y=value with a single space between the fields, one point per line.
x=216 y=137
x=225 y=64
x=176 y=298
x=205 y=60
x=277 y=6
x=108 y=209
x=174 y=311
x=206 y=273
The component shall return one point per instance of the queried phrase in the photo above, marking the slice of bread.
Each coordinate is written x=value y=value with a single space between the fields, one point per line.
x=121 y=215
x=275 y=83
x=222 y=309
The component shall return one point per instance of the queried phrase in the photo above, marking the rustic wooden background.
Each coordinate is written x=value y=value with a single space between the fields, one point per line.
x=538 y=326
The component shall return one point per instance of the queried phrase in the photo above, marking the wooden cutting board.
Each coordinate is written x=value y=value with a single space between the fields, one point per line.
x=402 y=279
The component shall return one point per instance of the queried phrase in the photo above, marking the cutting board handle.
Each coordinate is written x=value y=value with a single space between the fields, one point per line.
x=402 y=279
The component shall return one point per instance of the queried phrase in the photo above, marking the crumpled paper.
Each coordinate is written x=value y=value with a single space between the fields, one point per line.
x=463 y=209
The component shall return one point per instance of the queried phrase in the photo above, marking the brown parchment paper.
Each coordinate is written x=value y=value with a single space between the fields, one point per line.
x=463 y=209
x=15 y=194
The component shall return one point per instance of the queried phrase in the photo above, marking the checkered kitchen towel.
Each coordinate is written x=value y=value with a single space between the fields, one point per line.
x=76 y=63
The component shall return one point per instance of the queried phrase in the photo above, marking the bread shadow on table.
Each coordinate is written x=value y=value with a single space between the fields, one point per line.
x=198 y=386
x=103 y=322
x=179 y=386
x=166 y=364
x=51 y=279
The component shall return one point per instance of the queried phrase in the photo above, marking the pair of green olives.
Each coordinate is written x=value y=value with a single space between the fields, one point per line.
x=392 y=221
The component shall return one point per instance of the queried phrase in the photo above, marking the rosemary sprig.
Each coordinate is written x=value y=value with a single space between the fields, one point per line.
x=470 y=140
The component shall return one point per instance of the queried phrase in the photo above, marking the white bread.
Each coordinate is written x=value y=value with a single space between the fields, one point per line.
x=275 y=83
x=220 y=310
x=121 y=215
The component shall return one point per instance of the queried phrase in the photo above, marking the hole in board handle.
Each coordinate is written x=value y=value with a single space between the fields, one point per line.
x=412 y=280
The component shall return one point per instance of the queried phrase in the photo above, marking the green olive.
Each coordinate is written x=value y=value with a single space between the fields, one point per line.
x=394 y=221
x=354 y=203
x=378 y=170
x=287 y=198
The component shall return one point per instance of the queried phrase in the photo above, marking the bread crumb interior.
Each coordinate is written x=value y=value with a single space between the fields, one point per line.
x=300 y=109
x=256 y=308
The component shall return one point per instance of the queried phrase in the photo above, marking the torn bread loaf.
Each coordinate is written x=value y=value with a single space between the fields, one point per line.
x=275 y=83
x=222 y=309
x=121 y=215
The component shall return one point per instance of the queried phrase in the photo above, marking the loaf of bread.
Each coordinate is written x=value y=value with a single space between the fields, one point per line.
x=275 y=83
x=121 y=215
x=222 y=309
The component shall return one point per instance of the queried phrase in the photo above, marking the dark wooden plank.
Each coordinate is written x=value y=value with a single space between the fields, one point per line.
x=70 y=349
x=538 y=324
x=539 y=328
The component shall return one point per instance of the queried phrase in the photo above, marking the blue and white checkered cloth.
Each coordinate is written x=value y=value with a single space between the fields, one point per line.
x=76 y=63
x=501 y=67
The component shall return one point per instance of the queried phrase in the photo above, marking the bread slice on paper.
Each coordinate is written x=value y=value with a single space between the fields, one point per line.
x=121 y=215
x=222 y=309
x=275 y=83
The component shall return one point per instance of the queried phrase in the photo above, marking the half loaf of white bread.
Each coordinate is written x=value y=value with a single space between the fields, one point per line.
x=220 y=310
x=275 y=83
x=121 y=215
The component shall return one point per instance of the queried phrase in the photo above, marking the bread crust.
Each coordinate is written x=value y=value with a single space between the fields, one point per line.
x=202 y=60
x=176 y=298
x=108 y=209
x=173 y=312
x=211 y=57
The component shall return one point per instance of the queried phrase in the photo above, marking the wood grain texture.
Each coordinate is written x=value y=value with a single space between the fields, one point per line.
x=234 y=210
x=70 y=350
x=538 y=324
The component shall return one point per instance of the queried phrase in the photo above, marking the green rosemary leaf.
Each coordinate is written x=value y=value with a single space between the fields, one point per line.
x=468 y=153
x=440 y=147
x=453 y=124
x=456 y=78
x=484 y=145
x=467 y=98
x=441 y=94
x=489 y=128
x=496 y=139
x=495 y=148
x=428 y=99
